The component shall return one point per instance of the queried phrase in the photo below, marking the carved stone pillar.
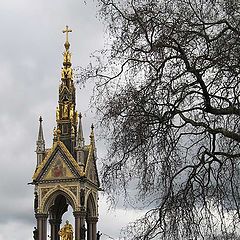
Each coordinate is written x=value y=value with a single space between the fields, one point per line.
x=55 y=227
x=42 y=226
x=94 y=231
x=89 y=230
x=92 y=228
x=94 y=221
x=79 y=224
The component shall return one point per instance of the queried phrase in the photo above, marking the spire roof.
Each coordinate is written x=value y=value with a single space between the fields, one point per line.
x=40 y=140
x=92 y=140
x=80 y=139
x=40 y=131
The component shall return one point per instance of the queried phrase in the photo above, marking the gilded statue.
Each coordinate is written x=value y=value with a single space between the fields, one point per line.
x=66 y=232
x=66 y=73
x=65 y=110
x=57 y=114
x=71 y=112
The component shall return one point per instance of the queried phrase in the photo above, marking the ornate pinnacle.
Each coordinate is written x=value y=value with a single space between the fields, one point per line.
x=40 y=139
x=92 y=134
x=80 y=139
x=40 y=132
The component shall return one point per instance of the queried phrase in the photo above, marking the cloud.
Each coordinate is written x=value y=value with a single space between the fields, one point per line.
x=112 y=221
x=15 y=230
x=31 y=47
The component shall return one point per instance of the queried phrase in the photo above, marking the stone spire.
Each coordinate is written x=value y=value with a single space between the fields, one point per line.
x=80 y=139
x=80 y=143
x=40 y=149
x=92 y=144
x=92 y=135
x=92 y=140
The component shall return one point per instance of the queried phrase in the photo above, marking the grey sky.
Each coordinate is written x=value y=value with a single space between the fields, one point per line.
x=31 y=46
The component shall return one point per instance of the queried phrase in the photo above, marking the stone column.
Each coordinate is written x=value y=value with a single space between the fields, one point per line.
x=92 y=222
x=55 y=227
x=94 y=229
x=89 y=230
x=79 y=224
x=41 y=225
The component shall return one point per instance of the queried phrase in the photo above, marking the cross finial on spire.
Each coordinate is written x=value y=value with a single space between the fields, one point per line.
x=67 y=30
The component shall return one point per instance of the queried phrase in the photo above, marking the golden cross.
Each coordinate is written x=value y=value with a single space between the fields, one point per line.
x=67 y=30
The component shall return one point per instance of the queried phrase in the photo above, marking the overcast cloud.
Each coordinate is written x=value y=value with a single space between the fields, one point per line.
x=31 y=46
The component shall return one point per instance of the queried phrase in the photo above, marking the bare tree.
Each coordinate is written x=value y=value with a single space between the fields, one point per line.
x=168 y=98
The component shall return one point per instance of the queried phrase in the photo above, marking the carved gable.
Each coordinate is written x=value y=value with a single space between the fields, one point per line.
x=58 y=169
x=58 y=164
x=91 y=169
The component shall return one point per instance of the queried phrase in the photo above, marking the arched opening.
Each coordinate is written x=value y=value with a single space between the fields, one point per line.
x=91 y=207
x=91 y=217
x=58 y=196
x=58 y=204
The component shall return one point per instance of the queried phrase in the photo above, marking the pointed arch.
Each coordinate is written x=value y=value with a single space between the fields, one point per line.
x=50 y=198
x=91 y=206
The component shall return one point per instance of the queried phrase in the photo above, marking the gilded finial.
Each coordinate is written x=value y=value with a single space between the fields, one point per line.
x=67 y=44
x=67 y=70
